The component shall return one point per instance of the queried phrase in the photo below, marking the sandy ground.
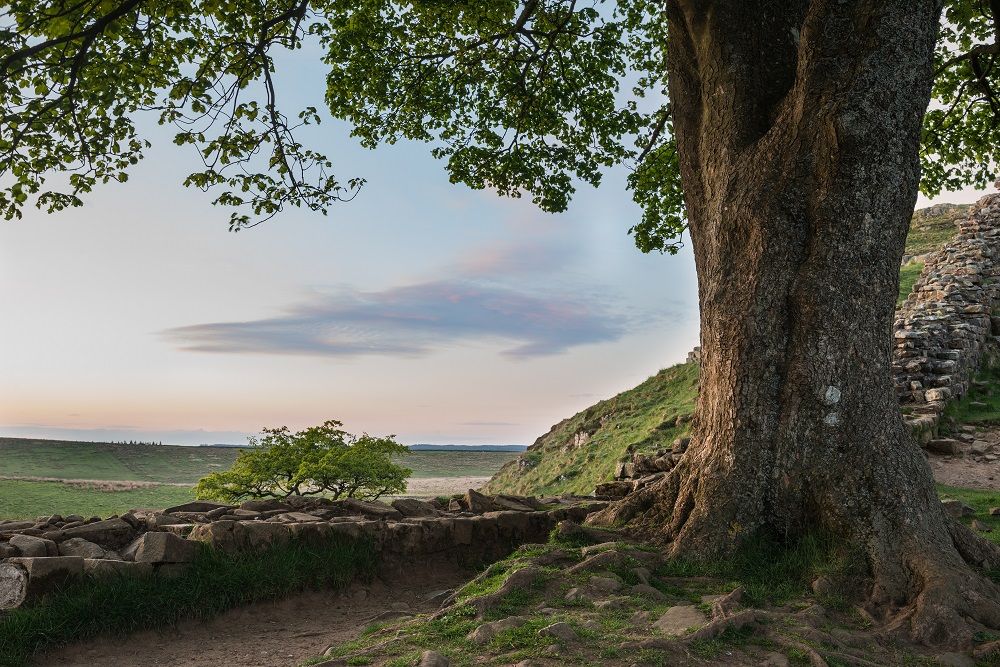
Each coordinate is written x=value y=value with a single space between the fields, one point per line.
x=274 y=634
x=968 y=474
x=429 y=487
x=970 y=470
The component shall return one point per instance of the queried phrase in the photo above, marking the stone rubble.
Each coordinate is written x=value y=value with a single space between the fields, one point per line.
x=38 y=556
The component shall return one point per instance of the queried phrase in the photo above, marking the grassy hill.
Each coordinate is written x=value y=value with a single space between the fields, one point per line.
x=930 y=228
x=64 y=459
x=580 y=452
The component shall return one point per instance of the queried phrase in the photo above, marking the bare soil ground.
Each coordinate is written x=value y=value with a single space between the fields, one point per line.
x=429 y=487
x=283 y=633
x=977 y=466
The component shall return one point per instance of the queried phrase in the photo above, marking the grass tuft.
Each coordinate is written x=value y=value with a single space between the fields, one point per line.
x=908 y=276
x=981 y=404
x=770 y=571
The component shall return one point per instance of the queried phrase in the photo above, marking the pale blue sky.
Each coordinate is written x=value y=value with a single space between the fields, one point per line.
x=422 y=308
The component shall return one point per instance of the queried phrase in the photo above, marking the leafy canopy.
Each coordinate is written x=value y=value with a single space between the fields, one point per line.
x=520 y=96
x=322 y=459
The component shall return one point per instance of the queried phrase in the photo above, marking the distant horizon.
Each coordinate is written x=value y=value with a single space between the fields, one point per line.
x=158 y=442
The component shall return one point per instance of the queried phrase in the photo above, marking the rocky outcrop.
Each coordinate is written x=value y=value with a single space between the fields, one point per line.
x=946 y=325
x=37 y=556
x=640 y=470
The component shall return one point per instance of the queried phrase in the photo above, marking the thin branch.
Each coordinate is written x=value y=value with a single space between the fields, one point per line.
x=661 y=124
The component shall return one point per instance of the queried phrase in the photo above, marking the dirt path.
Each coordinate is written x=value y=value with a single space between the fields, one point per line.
x=976 y=466
x=428 y=487
x=274 y=634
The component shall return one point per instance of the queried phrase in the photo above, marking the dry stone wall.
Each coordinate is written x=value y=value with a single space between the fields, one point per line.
x=39 y=556
x=946 y=325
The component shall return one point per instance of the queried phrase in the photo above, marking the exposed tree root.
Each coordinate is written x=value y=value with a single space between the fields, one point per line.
x=974 y=549
x=927 y=588
x=519 y=580
x=646 y=512
x=737 y=621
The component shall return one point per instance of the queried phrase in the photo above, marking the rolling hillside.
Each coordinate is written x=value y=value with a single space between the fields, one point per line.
x=580 y=452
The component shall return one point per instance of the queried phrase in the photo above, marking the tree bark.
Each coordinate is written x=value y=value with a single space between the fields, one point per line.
x=798 y=129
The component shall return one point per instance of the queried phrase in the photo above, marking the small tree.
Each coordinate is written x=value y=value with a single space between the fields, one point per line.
x=321 y=459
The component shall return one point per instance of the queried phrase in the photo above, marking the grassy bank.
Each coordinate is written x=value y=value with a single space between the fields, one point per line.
x=908 y=275
x=981 y=502
x=613 y=623
x=981 y=404
x=582 y=451
x=215 y=583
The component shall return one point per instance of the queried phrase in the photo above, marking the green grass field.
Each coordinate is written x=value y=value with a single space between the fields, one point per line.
x=167 y=464
x=21 y=499
x=105 y=461
x=158 y=468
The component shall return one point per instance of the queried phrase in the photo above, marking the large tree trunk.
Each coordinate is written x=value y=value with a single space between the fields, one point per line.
x=798 y=127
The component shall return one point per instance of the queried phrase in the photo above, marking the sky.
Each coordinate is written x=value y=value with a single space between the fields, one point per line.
x=421 y=309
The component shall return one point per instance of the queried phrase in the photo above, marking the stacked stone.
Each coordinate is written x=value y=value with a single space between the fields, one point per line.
x=944 y=327
x=39 y=556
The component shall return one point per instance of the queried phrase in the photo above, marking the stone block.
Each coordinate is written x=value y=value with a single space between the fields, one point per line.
x=219 y=535
x=409 y=507
x=46 y=574
x=372 y=509
x=13 y=585
x=943 y=446
x=309 y=533
x=937 y=394
x=197 y=507
x=110 y=568
x=110 y=533
x=265 y=505
x=477 y=502
x=260 y=535
x=157 y=547
x=34 y=547
x=77 y=546
x=678 y=620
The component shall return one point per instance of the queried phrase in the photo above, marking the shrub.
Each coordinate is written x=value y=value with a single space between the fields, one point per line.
x=322 y=459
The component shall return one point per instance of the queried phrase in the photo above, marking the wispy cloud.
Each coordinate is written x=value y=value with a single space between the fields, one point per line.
x=488 y=424
x=414 y=320
x=515 y=259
